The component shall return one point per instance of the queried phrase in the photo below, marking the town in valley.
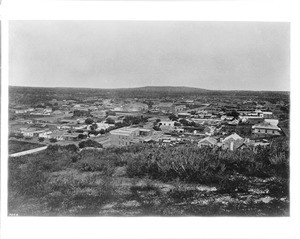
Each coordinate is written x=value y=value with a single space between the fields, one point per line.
x=118 y=132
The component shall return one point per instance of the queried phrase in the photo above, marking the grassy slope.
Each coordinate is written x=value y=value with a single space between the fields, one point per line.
x=65 y=182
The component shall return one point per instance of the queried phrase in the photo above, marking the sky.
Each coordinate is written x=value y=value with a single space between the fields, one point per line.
x=122 y=54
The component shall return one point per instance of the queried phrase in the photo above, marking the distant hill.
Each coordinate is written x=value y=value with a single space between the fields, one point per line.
x=32 y=95
x=169 y=89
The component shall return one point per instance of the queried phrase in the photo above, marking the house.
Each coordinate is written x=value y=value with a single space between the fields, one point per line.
x=234 y=122
x=78 y=112
x=99 y=113
x=167 y=123
x=207 y=142
x=104 y=126
x=273 y=122
x=57 y=112
x=266 y=128
x=209 y=130
x=128 y=135
x=57 y=134
x=232 y=142
x=45 y=134
x=184 y=115
x=32 y=132
x=228 y=118
x=165 y=107
x=179 y=108
x=123 y=136
x=74 y=136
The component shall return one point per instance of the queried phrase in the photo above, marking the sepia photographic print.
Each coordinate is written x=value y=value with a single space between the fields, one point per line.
x=149 y=118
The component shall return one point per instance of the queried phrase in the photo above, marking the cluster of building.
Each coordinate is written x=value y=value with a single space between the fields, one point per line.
x=168 y=123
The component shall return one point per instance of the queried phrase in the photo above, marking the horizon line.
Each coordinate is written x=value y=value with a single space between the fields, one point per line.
x=136 y=87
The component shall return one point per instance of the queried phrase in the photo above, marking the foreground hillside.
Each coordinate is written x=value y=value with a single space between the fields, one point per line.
x=146 y=180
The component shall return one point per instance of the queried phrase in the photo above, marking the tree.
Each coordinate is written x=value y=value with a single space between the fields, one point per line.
x=89 y=143
x=41 y=139
x=94 y=132
x=157 y=128
x=53 y=140
x=184 y=122
x=89 y=121
x=233 y=113
x=111 y=113
x=81 y=136
x=102 y=131
x=95 y=126
x=173 y=117
x=110 y=121
x=177 y=124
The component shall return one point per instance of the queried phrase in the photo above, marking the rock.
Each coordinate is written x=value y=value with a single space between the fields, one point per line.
x=165 y=187
x=109 y=206
x=132 y=203
x=266 y=199
x=119 y=172
x=258 y=191
x=201 y=202
x=206 y=189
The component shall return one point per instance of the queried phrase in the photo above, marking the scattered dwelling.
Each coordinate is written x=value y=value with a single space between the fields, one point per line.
x=103 y=126
x=127 y=135
x=207 y=142
x=57 y=134
x=227 y=118
x=74 y=136
x=232 y=142
x=209 y=130
x=167 y=123
x=184 y=115
x=99 y=114
x=165 y=107
x=267 y=115
x=137 y=106
x=210 y=121
x=57 y=112
x=25 y=121
x=234 y=122
x=61 y=135
x=79 y=112
x=167 y=126
x=179 y=108
x=45 y=134
x=266 y=128
x=273 y=122
x=92 y=108
x=32 y=132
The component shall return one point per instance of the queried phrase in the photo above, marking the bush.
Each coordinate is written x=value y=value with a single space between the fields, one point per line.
x=77 y=194
x=52 y=140
x=89 y=121
x=89 y=143
x=41 y=139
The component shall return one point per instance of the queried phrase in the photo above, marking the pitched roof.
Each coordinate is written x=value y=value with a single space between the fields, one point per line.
x=211 y=140
x=265 y=125
x=233 y=136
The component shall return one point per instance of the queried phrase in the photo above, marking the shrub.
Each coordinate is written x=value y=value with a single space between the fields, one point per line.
x=89 y=143
x=53 y=140
x=41 y=139
x=70 y=192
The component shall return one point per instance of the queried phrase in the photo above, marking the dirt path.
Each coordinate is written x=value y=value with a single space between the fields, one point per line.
x=31 y=151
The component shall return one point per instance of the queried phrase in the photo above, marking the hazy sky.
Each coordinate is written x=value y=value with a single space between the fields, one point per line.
x=110 y=54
